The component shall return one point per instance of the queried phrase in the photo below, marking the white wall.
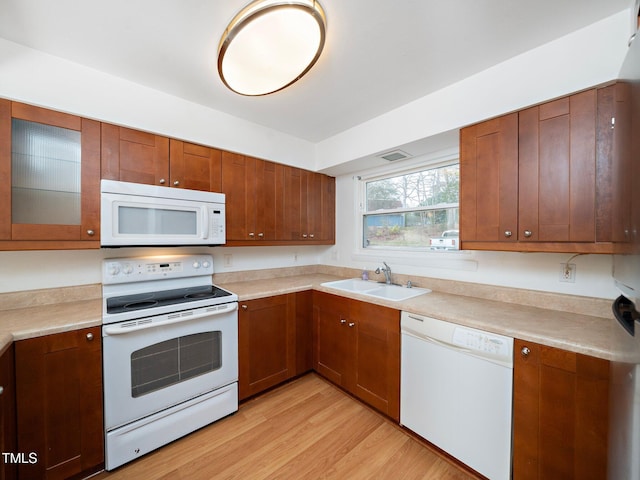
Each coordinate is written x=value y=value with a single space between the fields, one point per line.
x=42 y=269
x=534 y=271
x=37 y=78
x=580 y=60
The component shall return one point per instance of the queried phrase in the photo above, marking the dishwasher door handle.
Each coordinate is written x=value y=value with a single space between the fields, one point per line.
x=435 y=341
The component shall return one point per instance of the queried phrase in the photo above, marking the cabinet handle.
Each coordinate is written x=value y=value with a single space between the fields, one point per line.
x=1 y=389
x=525 y=351
x=162 y=181
x=244 y=307
x=304 y=235
x=176 y=183
x=528 y=233
x=352 y=324
x=251 y=235
x=89 y=336
x=343 y=321
x=91 y=233
x=508 y=233
x=261 y=235
x=311 y=235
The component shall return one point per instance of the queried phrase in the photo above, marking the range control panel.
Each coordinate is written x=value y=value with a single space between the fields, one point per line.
x=126 y=270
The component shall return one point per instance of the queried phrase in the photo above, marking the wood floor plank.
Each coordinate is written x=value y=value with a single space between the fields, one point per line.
x=384 y=441
x=307 y=429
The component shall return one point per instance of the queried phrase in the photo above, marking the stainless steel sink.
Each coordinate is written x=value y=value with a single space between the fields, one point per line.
x=374 y=289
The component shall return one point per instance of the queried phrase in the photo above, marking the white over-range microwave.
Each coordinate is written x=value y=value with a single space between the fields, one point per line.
x=134 y=214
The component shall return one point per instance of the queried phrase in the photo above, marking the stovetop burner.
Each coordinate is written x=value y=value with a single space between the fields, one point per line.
x=126 y=303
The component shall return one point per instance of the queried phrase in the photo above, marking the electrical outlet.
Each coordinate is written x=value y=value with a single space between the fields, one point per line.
x=568 y=272
x=228 y=260
x=295 y=257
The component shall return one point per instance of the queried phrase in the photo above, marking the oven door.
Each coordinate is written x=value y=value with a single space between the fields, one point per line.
x=154 y=363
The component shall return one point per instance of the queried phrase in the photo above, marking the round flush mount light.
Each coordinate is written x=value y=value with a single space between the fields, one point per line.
x=271 y=44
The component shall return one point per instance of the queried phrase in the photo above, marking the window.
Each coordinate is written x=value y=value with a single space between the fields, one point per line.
x=418 y=209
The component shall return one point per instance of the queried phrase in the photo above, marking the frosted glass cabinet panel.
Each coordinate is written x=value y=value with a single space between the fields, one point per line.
x=53 y=161
x=45 y=174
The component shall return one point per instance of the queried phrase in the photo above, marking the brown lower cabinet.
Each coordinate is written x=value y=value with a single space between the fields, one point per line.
x=357 y=346
x=274 y=341
x=59 y=404
x=560 y=414
x=8 y=466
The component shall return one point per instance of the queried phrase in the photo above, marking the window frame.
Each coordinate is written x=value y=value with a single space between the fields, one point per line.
x=361 y=211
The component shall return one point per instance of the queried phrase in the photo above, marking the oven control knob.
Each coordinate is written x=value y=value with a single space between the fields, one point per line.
x=196 y=265
x=127 y=269
x=114 y=269
x=205 y=264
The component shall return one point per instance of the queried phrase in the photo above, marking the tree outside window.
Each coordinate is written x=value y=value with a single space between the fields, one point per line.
x=409 y=210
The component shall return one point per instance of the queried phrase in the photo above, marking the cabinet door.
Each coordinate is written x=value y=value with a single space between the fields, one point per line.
x=238 y=184
x=312 y=214
x=59 y=398
x=304 y=332
x=309 y=207
x=134 y=156
x=557 y=170
x=195 y=167
x=254 y=190
x=291 y=228
x=614 y=165
x=8 y=470
x=560 y=414
x=266 y=343
x=269 y=199
x=377 y=352
x=489 y=181
x=333 y=353
x=53 y=161
x=320 y=208
x=328 y=207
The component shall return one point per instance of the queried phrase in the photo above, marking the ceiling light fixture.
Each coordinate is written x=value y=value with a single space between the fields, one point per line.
x=271 y=44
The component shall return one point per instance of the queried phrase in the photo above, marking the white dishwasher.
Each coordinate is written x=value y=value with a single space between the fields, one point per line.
x=456 y=391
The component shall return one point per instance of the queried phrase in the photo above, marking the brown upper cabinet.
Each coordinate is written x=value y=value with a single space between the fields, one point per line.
x=53 y=161
x=56 y=161
x=276 y=204
x=541 y=179
x=134 y=156
x=195 y=167
x=309 y=207
x=140 y=157
x=254 y=197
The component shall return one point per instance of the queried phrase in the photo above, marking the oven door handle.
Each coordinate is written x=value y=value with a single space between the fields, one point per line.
x=145 y=323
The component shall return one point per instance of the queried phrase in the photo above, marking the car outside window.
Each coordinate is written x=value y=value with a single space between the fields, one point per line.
x=411 y=210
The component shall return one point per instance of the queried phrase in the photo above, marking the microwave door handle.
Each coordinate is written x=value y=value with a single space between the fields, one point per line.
x=205 y=222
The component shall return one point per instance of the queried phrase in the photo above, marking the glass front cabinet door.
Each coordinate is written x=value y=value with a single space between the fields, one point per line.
x=53 y=161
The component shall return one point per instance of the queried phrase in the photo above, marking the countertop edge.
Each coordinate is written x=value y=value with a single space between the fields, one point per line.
x=589 y=335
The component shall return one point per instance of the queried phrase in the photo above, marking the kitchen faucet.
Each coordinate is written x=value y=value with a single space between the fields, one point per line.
x=386 y=271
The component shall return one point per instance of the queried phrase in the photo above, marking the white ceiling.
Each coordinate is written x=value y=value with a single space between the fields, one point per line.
x=379 y=55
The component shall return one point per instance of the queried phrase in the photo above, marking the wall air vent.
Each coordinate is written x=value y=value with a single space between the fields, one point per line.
x=394 y=155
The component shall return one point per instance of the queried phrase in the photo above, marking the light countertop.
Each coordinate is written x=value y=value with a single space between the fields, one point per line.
x=597 y=336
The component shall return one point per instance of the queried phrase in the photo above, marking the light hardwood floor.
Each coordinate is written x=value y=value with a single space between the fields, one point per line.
x=306 y=429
